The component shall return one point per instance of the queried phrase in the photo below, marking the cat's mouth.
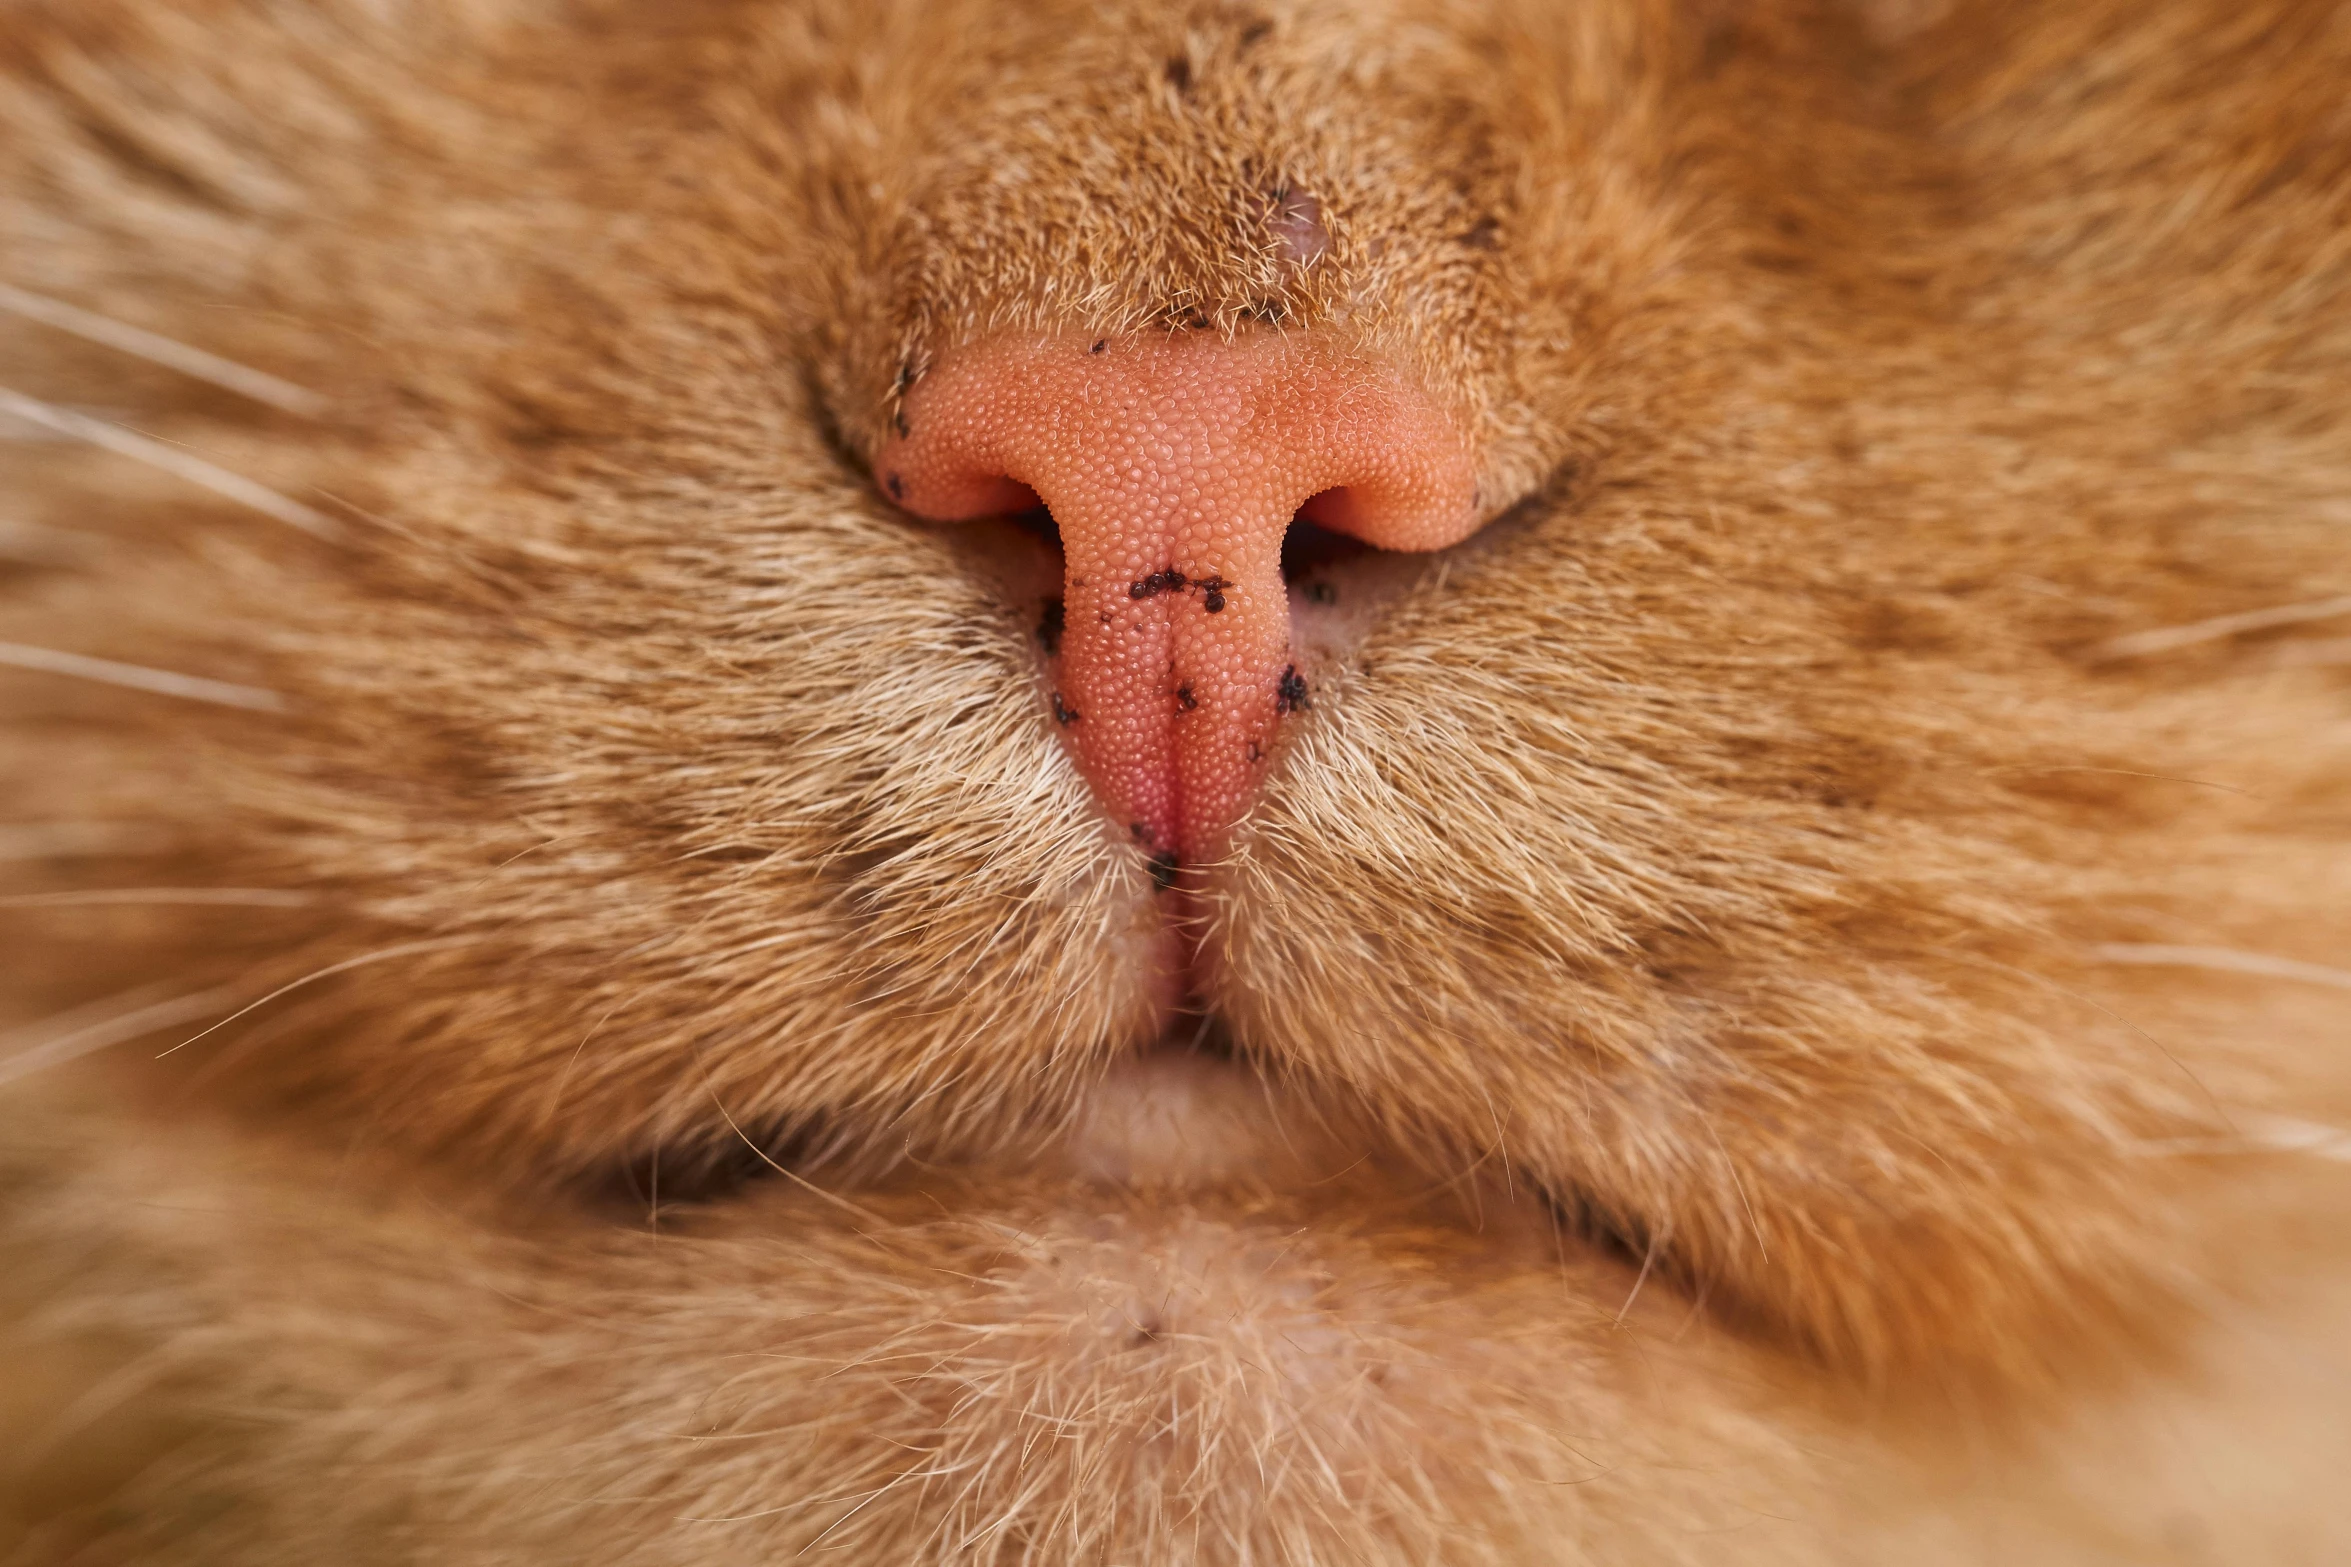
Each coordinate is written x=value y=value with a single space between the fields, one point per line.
x=1256 y=1168
x=1187 y=1113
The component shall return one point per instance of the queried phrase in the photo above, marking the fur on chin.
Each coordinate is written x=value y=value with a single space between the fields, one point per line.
x=944 y=1368
x=288 y=1357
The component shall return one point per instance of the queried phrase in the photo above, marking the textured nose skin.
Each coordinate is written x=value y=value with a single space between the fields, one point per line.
x=1172 y=465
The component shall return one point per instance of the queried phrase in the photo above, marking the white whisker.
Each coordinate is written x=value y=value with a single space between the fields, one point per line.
x=159 y=454
x=137 y=677
x=139 y=343
x=2225 y=960
x=249 y=897
x=77 y=1039
x=2140 y=643
x=2289 y=1135
x=2263 y=1134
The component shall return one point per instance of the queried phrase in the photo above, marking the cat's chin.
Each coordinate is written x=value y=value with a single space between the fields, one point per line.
x=1183 y=1117
x=1188 y=1307
x=1186 y=1128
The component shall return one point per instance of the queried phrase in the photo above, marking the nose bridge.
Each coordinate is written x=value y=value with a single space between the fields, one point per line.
x=1173 y=465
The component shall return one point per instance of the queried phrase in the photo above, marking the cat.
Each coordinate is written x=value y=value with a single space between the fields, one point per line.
x=1241 y=781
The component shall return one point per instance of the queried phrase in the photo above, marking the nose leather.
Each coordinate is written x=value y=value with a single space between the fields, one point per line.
x=1172 y=465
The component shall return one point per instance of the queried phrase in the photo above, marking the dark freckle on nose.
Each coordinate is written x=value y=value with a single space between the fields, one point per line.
x=1099 y=345
x=1142 y=834
x=905 y=379
x=1165 y=580
x=1212 y=594
x=1163 y=869
x=1185 y=699
x=897 y=488
x=1063 y=713
x=898 y=418
x=1051 y=624
x=1289 y=693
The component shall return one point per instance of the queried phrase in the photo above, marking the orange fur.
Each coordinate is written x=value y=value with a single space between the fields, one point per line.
x=1738 y=996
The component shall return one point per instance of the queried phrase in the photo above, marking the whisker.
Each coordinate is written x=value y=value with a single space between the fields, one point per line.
x=383 y=954
x=138 y=677
x=1648 y=1261
x=159 y=454
x=254 y=897
x=2289 y=1135
x=867 y=1214
x=139 y=343
x=2226 y=960
x=2265 y=1134
x=2163 y=640
x=74 y=1042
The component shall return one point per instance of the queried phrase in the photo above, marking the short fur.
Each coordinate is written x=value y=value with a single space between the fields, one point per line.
x=1778 y=1000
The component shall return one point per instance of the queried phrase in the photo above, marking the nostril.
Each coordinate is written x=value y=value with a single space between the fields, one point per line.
x=1329 y=508
x=1309 y=547
x=1354 y=512
x=1038 y=524
x=1019 y=500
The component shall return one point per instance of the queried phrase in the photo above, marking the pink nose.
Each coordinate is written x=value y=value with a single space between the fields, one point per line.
x=1172 y=465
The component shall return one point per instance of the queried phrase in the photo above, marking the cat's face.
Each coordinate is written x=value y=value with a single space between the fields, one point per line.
x=1675 y=979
